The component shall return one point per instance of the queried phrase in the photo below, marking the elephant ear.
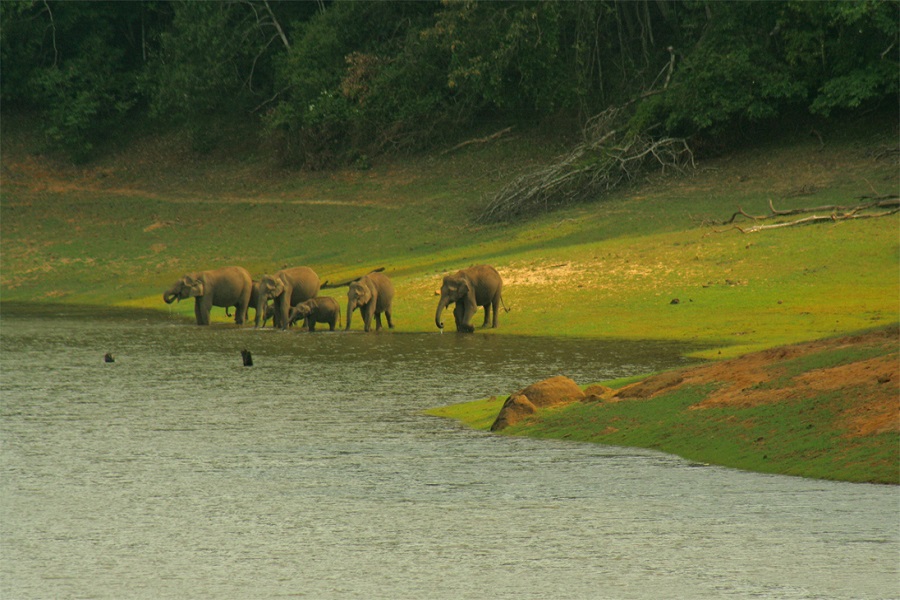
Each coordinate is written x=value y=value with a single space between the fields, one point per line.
x=463 y=289
x=198 y=288
x=269 y=286
x=279 y=286
x=358 y=292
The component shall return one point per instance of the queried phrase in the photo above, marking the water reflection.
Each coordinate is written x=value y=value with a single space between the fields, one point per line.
x=177 y=472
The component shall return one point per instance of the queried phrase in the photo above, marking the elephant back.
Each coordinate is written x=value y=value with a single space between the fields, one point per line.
x=382 y=287
x=486 y=281
x=229 y=285
x=303 y=281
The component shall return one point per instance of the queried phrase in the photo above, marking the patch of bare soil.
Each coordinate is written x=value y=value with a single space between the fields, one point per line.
x=760 y=378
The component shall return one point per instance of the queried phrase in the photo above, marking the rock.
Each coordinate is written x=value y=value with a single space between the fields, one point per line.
x=514 y=410
x=597 y=393
x=550 y=392
x=553 y=391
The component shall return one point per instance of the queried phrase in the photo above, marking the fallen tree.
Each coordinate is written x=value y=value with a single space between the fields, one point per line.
x=328 y=285
x=887 y=205
x=609 y=156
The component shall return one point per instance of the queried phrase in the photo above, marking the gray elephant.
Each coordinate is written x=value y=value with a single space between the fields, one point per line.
x=373 y=294
x=230 y=286
x=254 y=302
x=287 y=288
x=469 y=289
x=321 y=309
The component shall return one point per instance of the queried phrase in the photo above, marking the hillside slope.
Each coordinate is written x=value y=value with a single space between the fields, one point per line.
x=119 y=231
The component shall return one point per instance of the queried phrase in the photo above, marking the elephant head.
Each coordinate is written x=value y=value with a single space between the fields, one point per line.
x=301 y=311
x=270 y=287
x=357 y=295
x=456 y=288
x=188 y=286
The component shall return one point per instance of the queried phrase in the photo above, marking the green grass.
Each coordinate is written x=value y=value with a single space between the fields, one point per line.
x=119 y=232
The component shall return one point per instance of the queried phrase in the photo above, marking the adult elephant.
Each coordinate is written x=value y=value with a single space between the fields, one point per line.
x=469 y=289
x=287 y=288
x=373 y=294
x=229 y=286
x=254 y=302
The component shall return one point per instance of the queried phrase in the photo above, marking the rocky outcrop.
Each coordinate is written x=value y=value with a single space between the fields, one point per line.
x=550 y=392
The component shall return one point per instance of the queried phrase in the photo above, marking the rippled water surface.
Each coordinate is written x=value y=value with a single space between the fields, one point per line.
x=175 y=472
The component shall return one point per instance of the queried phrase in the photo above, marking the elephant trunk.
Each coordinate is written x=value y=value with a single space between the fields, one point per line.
x=351 y=306
x=261 y=303
x=442 y=304
x=169 y=297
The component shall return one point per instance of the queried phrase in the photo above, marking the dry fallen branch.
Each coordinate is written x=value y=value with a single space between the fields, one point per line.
x=328 y=285
x=838 y=213
x=607 y=158
x=481 y=140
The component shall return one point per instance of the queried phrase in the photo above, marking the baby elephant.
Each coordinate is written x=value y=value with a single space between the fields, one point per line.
x=322 y=309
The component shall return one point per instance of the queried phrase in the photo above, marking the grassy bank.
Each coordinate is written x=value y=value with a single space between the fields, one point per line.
x=825 y=409
x=119 y=231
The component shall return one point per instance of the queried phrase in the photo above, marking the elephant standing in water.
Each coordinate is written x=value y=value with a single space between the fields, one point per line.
x=230 y=286
x=288 y=287
x=469 y=289
x=373 y=294
x=254 y=302
x=321 y=309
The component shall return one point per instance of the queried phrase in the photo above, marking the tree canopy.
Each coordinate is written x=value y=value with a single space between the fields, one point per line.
x=332 y=80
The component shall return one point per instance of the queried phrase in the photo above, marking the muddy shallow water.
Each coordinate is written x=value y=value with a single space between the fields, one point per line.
x=175 y=472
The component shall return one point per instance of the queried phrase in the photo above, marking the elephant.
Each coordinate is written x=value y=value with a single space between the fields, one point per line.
x=373 y=294
x=229 y=286
x=321 y=309
x=288 y=287
x=254 y=302
x=469 y=289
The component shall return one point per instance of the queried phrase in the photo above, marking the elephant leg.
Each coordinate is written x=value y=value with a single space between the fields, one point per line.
x=311 y=323
x=377 y=321
x=390 y=321
x=459 y=316
x=201 y=311
x=198 y=311
x=487 y=315
x=367 y=316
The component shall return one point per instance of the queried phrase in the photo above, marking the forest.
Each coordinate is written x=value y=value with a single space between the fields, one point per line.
x=327 y=83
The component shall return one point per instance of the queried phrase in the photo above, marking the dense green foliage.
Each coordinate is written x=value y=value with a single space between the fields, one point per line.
x=333 y=81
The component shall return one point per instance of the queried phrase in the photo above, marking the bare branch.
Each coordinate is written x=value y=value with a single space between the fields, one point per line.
x=328 y=285
x=607 y=158
x=277 y=25
x=53 y=33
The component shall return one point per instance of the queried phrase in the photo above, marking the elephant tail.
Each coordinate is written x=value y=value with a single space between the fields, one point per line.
x=503 y=304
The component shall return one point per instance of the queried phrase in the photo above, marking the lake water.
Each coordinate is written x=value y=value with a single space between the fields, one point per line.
x=176 y=472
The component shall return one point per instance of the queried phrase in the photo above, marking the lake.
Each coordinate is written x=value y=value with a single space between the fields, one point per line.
x=175 y=472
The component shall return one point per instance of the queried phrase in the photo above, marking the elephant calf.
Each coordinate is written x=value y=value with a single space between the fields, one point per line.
x=323 y=309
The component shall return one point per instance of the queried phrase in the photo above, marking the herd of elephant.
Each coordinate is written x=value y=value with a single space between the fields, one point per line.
x=294 y=294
